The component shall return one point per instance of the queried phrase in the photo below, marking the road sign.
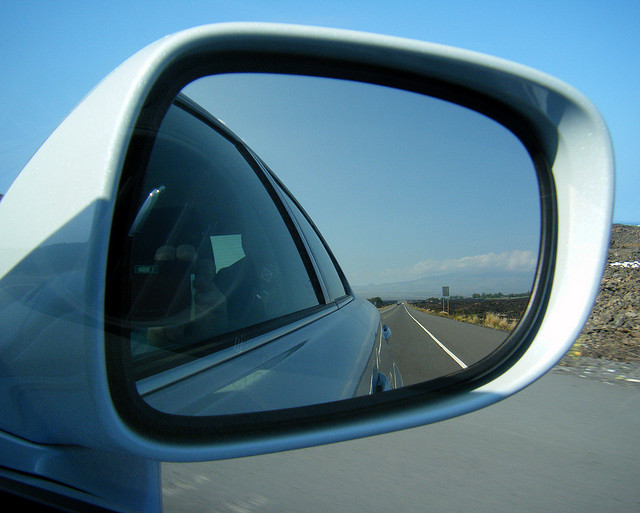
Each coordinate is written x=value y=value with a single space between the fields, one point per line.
x=445 y=291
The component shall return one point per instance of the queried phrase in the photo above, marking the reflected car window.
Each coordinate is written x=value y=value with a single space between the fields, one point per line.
x=211 y=256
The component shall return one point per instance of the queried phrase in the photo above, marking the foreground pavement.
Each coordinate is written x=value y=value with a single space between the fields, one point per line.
x=565 y=444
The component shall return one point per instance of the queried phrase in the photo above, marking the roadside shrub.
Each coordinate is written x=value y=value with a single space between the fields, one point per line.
x=494 y=321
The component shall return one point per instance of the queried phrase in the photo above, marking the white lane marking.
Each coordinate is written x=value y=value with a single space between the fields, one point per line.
x=453 y=356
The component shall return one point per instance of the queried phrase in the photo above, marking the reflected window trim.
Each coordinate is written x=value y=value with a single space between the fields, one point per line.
x=281 y=189
x=244 y=337
x=314 y=260
x=179 y=373
x=344 y=301
x=317 y=260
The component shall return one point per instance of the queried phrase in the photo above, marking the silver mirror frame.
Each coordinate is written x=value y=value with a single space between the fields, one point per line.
x=572 y=150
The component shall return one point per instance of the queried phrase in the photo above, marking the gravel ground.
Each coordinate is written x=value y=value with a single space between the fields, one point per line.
x=613 y=329
x=608 y=349
x=599 y=369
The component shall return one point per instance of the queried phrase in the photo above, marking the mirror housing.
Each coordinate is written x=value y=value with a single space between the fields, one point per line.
x=55 y=223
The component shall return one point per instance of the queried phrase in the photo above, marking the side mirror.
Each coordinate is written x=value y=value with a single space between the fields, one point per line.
x=181 y=301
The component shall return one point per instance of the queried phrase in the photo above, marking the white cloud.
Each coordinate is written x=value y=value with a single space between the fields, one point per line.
x=508 y=261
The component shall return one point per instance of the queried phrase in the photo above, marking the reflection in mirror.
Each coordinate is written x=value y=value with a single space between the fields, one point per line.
x=431 y=210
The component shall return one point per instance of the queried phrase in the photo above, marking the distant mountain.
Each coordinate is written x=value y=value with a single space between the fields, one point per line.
x=460 y=283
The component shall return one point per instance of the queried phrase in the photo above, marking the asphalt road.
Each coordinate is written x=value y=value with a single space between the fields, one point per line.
x=429 y=346
x=565 y=444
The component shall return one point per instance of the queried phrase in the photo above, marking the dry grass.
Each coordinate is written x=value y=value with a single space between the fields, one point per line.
x=494 y=321
x=490 y=320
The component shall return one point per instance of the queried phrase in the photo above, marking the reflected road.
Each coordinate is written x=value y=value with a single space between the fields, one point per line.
x=428 y=346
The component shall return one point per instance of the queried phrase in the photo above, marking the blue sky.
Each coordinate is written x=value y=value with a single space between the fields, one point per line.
x=401 y=185
x=53 y=53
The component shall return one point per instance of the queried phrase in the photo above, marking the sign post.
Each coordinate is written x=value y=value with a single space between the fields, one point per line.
x=445 y=293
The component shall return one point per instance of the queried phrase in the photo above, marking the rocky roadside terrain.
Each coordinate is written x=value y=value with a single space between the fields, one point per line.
x=608 y=348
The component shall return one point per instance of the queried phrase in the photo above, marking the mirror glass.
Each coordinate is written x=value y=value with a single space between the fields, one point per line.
x=431 y=210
